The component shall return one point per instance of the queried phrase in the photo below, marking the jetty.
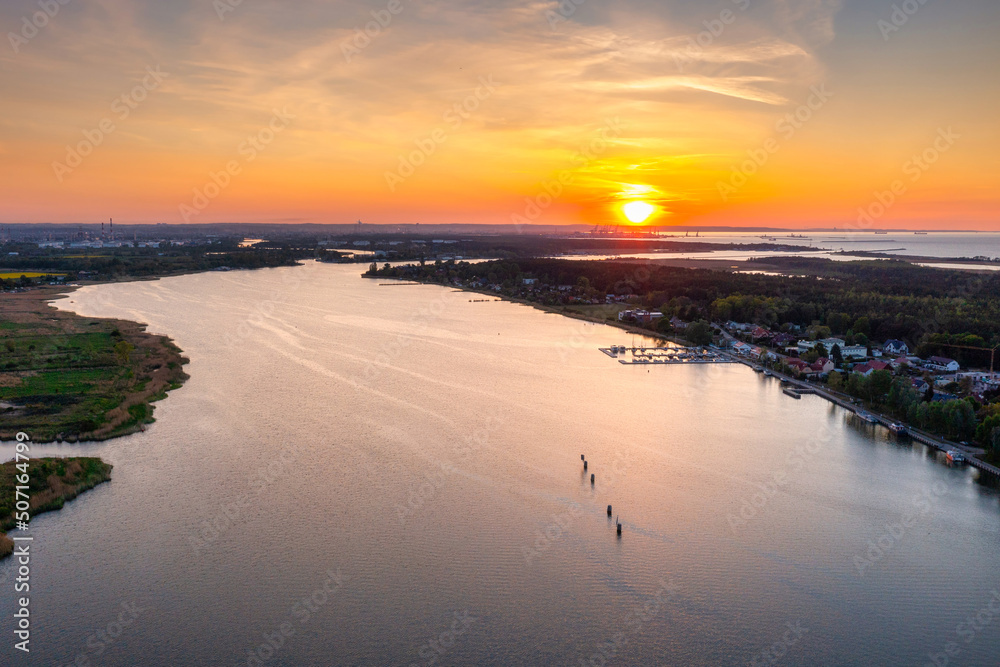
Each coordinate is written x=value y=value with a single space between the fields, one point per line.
x=664 y=355
x=796 y=388
x=791 y=387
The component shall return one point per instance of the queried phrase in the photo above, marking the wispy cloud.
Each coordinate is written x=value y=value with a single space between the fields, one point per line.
x=354 y=116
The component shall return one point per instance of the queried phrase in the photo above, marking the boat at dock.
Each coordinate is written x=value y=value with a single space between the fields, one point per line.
x=898 y=429
x=955 y=456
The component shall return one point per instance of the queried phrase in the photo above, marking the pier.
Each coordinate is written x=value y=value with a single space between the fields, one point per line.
x=797 y=388
x=665 y=355
x=793 y=387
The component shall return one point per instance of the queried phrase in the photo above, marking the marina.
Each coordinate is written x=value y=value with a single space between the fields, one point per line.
x=794 y=388
x=797 y=388
x=665 y=355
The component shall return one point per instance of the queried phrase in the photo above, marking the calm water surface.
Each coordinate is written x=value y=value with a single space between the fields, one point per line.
x=424 y=450
x=933 y=244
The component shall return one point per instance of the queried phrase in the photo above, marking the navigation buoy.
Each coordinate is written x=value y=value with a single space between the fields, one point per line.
x=609 y=510
x=591 y=478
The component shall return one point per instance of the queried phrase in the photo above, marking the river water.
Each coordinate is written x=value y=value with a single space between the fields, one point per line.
x=407 y=461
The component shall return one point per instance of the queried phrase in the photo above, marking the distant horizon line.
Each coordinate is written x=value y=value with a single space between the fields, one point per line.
x=623 y=230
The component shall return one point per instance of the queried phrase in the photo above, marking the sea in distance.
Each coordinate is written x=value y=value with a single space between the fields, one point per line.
x=360 y=473
x=829 y=245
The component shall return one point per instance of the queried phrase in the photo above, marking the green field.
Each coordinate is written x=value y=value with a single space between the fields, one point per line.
x=65 y=376
x=51 y=483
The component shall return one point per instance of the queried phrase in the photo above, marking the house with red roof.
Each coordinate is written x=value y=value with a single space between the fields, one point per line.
x=869 y=367
x=799 y=366
x=899 y=362
x=782 y=339
x=822 y=365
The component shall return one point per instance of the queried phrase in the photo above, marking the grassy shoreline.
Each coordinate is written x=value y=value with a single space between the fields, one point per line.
x=66 y=377
x=52 y=483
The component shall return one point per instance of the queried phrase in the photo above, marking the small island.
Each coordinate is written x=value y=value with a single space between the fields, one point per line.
x=51 y=483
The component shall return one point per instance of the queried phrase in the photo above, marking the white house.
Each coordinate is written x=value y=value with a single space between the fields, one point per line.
x=828 y=343
x=639 y=315
x=896 y=348
x=853 y=351
x=943 y=364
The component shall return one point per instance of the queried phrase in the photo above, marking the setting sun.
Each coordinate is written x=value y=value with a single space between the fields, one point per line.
x=638 y=211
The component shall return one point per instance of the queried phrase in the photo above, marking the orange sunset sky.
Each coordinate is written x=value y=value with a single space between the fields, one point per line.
x=737 y=112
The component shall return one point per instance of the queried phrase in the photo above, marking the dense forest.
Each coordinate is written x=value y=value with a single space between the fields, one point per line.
x=115 y=263
x=878 y=299
x=872 y=300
